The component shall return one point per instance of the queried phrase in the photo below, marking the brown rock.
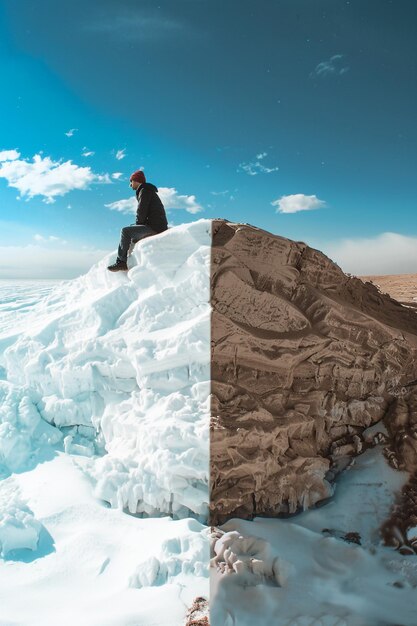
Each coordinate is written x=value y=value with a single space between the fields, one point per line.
x=304 y=359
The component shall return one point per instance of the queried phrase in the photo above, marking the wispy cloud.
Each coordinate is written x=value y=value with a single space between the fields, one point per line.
x=256 y=167
x=120 y=154
x=219 y=193
x=117 y=175
x=71 y=131
x=297 y=202
x=44 y=177
x=385 y=253
x=49 y=239
x=223 y=194
x=170 y=198
x=137 y=27
x=87 y=153
x=335 y=66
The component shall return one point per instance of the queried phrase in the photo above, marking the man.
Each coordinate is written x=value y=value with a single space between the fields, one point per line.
x=150 y=219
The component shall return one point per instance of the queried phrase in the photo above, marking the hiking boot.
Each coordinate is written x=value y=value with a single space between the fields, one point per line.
x=119 y=266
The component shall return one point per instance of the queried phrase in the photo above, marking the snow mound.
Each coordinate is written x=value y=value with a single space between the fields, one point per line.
x=24 y=435
x=120 y=365
x=250 y=557
x=18 y=526
x=184 y=555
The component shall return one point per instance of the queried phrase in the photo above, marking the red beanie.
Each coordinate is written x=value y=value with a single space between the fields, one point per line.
x=138 y=176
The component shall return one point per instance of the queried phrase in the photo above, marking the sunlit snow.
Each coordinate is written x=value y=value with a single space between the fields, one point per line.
x=104 y=415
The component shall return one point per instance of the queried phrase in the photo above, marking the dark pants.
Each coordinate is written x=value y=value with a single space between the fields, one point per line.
x=129 y=234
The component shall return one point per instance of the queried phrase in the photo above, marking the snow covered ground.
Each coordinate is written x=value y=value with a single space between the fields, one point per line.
x=104 y=464
x=19 y=301
x=308 y=571
x=104 y=444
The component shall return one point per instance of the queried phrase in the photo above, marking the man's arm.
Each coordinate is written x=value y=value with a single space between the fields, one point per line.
x=144 y=200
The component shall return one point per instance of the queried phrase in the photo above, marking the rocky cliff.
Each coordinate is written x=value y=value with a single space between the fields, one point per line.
x=304 y=360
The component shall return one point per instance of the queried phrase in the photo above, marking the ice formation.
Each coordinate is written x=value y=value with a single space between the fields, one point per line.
x=119 y=366
x=250 y=557
x=18 y=526
x=104 y=444
x=184 y=554
x=24 y=436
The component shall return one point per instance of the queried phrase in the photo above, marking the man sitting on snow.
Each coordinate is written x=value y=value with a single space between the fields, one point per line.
x=150 y=219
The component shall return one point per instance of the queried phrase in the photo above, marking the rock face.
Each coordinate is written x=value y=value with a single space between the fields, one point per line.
x=304 y=359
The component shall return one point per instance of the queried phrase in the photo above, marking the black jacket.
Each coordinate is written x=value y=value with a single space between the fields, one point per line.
x=150 y=209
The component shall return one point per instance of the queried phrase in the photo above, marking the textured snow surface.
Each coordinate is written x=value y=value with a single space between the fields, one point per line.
x=18 y=526
x=122 y=362
x=300 y=571
x=88 y=560
x=104 y=443
x=24 y=436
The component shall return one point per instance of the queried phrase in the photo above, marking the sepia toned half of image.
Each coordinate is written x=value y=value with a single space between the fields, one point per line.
x=313 y=438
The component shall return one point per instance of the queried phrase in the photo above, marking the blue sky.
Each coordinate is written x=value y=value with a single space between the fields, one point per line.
x=295 y=116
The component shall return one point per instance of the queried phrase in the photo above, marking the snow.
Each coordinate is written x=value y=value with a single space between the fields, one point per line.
x=24 y=436
x=131 y=361
x=89 y=557
x=104 y=466
x=18 y=526
x=104 y=445
x=300 y=571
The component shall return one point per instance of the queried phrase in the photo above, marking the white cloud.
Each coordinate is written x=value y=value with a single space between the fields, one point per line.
x=117 y=175
x=170 y=198
x=102 y=178
x=44 y=177
x=173 y=200
x=335 y=66
x=386 y=253
x=87 y=153
x=124 y=206
x=120 y=154
x=256 y=167
x=297 y=202
x=44 y=260
x=70 y=132
x=9 y=155
x=224 y=194
x=49 y=238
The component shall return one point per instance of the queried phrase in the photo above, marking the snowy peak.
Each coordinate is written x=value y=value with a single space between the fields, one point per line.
x=119 y=364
